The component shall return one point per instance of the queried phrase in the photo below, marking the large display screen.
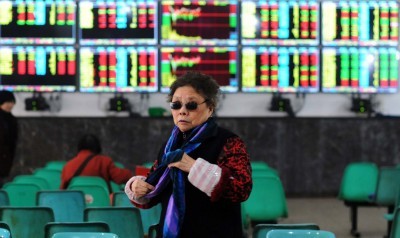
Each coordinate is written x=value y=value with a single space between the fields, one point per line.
x=360 y=23
x=118 y=69
x=360 y=70
x=37 y=22
x=118 y=22
x=38 y=68
x=219 y=62
x=280 y=69
x=288 y=22
x=193 y=22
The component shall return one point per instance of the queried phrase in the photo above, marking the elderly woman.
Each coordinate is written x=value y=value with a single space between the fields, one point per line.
x=203 y=171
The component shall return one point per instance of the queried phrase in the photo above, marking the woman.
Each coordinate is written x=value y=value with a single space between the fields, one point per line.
x=203 y=171
x=8 y=134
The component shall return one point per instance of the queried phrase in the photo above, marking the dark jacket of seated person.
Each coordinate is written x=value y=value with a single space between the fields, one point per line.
x=99 y=165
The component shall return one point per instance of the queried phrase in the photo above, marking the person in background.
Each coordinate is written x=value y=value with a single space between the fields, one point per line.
x=203 y=171
x=89 y=148
x=8 y=134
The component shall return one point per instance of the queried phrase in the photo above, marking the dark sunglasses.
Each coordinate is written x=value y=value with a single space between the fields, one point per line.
x=190 y=106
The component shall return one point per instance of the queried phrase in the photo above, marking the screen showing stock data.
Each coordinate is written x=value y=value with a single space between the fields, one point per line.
x=37 y=22
x=118 y=22
x=360 y=70
x=280 y=69
x=118 y=69
x=185 y=22
x=279 y=22
x=360 y=23
x=38 y=68
x=219 y=62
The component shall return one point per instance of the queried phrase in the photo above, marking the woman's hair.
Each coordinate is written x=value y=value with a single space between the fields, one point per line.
x=6 y=96
x=89 y=142
x=204 y=84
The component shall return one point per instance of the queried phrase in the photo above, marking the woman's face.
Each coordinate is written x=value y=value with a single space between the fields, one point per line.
x=7 y=106
x=186 y=119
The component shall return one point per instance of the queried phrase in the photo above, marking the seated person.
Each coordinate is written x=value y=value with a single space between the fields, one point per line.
x=89 y=149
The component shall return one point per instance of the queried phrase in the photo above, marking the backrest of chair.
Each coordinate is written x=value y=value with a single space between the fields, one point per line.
x=95 y=195
x=52 y=228
x=84 y=235
x=52 y=176
x=55 y=164
x=149 y=216
x=388 y=186
x=26 y=221
x=130 y=227
x=295 y=233
x=267 y=201
x=41 y=182
x=359 y=181
x=67 y=205
x=395 y=229
x=4 y=199
x=4 y=233
x=21 y=194
x=261 y=230
x=88 y=180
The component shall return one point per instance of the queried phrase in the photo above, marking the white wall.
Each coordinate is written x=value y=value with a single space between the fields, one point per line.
x=231 y=105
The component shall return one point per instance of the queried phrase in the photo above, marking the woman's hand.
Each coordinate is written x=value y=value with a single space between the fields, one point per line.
x=140 y=188
x=185 y=164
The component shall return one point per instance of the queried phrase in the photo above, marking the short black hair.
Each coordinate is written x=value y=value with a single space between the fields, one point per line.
x=6 y=96
x=204 y=84
x=89 y=142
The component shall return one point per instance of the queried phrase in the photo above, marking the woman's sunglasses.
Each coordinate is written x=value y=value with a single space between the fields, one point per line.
x=190 y=106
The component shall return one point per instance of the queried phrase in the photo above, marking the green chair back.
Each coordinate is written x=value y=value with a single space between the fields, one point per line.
x=261 y=230
x=153 y=231
x=55 y=164
x=119 y=164
x=267 y=201
x=259 y=165
x=52 y=176
x=390 y=216
x=4 y=200
x=95 y=195
x=21 y=194
x=293 y=233
x=53 y=228
x=41 y=182
x=4 y=233
x=149 y=216
x=89 y=180
x=67 y=205
x=84 y=235
x=26 y=221
x=130 y=227
x=359 y=181
x=395 y=228
x=387 y=186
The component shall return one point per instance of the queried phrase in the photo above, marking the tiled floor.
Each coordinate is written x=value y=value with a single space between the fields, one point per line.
x=331 y=214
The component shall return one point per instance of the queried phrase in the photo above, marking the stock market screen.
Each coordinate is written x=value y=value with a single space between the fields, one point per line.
x=219 y=62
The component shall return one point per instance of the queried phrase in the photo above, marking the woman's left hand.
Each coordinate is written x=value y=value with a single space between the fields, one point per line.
x=185 y=164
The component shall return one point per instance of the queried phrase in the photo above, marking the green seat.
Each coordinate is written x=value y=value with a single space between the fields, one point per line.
x=153 y=231
x=67 y=205
x=52 y=228
x=395 y=231
x=358 y=183
x=261 y=230
x=390 y=216
x=52 y=176
x=295 y=233
x=89 y=180
x=267 y=201
x=387 y=186
x=95 y=195
x=84 y=235
x=4 y=200
x=119 y=164
x=26 y=221
x=41 y=182
x=55 y=164
x=21 y=194
x=149 y=216
x=4 y=233
x=130 y=227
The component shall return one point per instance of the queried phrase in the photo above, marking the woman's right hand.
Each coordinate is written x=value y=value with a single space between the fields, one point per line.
x=140 y=188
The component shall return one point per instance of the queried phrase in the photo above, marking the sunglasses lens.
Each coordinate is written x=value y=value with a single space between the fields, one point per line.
x=191 y=106
x=175 y=105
